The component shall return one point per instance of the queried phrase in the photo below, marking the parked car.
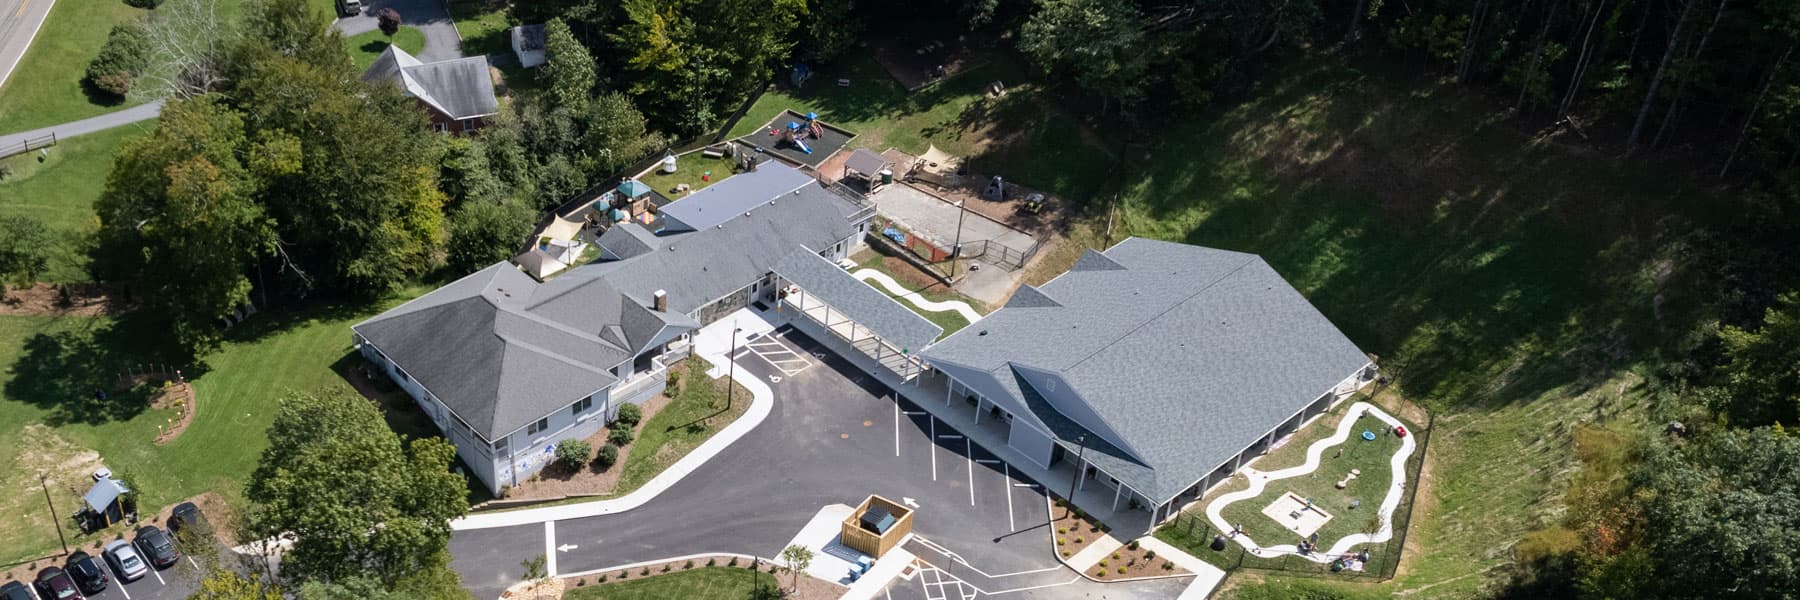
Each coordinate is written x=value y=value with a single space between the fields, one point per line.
x=349 y=8
x=14 y=590
x=87 y=573
x=125 y=561
x=156 y=544
x=186 y=520
x=54 y=584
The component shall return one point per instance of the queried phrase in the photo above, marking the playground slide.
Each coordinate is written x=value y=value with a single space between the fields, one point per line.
x=801 y=144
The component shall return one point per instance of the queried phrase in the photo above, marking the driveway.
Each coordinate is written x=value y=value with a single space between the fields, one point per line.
x=835 y=435
x=432 y=17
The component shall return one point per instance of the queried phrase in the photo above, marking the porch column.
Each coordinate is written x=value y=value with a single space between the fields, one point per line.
x=949 y=392
x=1080 y=475
x=1117 y=491
x=978 y=401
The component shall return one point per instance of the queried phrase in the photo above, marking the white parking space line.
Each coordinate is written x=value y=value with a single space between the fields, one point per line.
x=121 y=585
x=550 y=548
x=191 y=562
x=969 y=453
x=787 y=360
x=158 y=575
x=1008 y=489
x=934 y=448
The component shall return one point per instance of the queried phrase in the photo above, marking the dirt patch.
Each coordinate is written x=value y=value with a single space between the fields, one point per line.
x=67 y=467
x=71 y=299
x=915 y=65
x=553 y=482
x=178 y=395
x=1050 y=216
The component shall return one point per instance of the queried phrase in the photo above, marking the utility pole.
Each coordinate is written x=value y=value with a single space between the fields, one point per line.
x=956 y=248
x=53 y=518
x=1069 y=505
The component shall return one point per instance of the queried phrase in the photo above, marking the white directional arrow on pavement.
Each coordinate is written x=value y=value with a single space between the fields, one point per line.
x=909 y=502
x=566 y=547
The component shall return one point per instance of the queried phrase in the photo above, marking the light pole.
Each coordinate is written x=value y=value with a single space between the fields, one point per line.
x=53 y=518
x=1069 y=506
x=731 y=358
x=956 y=248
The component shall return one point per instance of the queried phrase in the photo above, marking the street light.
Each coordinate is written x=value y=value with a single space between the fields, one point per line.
x=53 y=518
x=731 y=358
x=1069 y=507
x=956 y=248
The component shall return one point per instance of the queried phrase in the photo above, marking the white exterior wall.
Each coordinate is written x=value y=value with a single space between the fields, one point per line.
x=1034 y=444
x=528 y=453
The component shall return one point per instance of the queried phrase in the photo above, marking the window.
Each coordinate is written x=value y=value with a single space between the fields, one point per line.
x=500 y=446
x=539 y=426
x=441 y=127
x=468 y=124
x=1049 y=384
x=583 y=405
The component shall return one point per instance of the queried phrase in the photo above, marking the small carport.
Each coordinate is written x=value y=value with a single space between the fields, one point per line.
x=821 y=298
x=871 y=169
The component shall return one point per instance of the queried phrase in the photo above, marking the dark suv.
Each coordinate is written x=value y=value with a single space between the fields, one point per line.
x=188 y=524
x=86 y=571
x=54 y=584
x=14 y=590
x=156 y=545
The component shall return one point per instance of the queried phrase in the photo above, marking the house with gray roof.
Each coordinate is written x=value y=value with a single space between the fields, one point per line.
x=507 y=366
x=458 y=93
x=1158 y=367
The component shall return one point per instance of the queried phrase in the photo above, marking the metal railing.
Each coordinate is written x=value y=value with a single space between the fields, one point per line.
x=36 y=143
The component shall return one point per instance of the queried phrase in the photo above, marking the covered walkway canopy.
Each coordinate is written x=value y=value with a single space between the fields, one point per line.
x=871 y=321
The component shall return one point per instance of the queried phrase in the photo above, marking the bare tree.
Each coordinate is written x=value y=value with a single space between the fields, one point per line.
x=187 y=49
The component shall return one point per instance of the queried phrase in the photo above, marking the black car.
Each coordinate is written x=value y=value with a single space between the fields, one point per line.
x=14 y=590
x=54 y=584
x=156 y=545
x=186 y=521
x=87 y=573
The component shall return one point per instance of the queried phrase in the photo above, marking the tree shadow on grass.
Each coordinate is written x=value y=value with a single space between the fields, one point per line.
x=374 y=46
x=65 y=372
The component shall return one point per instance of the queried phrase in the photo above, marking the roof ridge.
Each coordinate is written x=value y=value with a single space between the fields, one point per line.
x=1172 y=306
x=551 y=354
x=554 y=324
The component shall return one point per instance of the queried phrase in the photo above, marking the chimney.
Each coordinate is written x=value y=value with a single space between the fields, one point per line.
x=660 y=301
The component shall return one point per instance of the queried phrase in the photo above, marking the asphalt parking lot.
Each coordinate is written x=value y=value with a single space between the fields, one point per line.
x=835 y=436
x=173 y=583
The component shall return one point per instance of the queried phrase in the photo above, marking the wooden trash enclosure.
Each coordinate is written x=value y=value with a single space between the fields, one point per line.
x=861 y=535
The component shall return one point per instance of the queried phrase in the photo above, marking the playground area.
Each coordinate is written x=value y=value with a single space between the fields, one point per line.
x=1322 y=496
x=801 y=139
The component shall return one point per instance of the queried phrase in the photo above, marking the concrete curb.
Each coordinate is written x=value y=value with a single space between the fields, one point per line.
x=894 y=287
x=761 y=404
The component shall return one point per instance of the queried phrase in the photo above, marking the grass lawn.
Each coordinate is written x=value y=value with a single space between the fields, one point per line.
x=711 y=583
x=1370 y=458
x=46 y=400
x=46 y=89
x=1017 y=136
x=688 y=169
x=60 y=192
x=484 y=29
x=367 y=46
x=908 y=276
x=693 y=414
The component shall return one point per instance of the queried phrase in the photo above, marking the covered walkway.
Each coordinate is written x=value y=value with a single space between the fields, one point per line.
x=825 y=301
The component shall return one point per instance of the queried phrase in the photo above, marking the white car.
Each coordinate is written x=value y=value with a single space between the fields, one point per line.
x=125 y=561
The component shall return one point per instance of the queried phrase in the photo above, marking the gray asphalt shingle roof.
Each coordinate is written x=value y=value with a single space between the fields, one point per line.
x=1184 y=355
x=869 y=308
x=459 y=88
x=726 y=200
x=502 y=350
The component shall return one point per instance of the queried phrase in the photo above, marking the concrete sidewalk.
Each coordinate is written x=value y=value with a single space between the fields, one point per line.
x=705 y=346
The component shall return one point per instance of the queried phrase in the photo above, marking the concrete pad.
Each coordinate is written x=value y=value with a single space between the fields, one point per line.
x=1206 y=576
x=1293 y=513
x=1095 y=552
x=832 y=561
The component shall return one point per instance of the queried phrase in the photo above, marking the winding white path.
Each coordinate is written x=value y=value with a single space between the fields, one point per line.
x=1260 y=480
x=894 y=287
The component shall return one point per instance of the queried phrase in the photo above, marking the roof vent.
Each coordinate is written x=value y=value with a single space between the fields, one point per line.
x=982 y=332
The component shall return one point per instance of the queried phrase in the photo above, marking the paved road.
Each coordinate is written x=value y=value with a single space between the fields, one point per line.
x=431 y=17
x=833 y=437
x=141 y=112
x=19 y=22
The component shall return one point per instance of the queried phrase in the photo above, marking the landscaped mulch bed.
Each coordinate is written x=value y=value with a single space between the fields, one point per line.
x=178 y=395
x=1075 y=530
x=1133 y=562
x=554 y=482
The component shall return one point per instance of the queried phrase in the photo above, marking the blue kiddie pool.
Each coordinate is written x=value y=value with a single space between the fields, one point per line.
x=1369 y=436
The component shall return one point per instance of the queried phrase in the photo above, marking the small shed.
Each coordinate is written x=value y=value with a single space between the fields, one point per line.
x=872 y=168
x=103 y=501
x=877 y=526
x=528 y=44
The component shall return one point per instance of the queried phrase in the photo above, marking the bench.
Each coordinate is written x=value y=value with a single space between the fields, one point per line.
x=713 y=153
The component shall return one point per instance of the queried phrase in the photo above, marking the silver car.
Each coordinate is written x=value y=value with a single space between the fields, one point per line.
x=125 y=561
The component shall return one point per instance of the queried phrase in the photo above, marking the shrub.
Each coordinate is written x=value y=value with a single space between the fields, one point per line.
x=619 y=436
x=606 y=457
x=143 y=3
x=1100 y=574
x=666 y=568
x=120 y=60
x=732 y=562
x=1133 y=546
x=1061 y=541
x=1121 y=570
x=630 y=414
x=689 y=565
x=623 y=575
x=388 y=20
x=1062 y=530
x=602 y=578
x=646 y=571
x=1065 y=554
x=712 y=561
x=1103 y=564
x=1168 y=566
x=1077 y=539
x=571 y=454
x=1115 y=556
x=1149 y=555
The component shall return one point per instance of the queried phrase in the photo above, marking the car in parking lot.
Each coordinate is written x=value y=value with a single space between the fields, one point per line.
x=156 y=545
x=86 y=572
x=54 y=584
x=14 y=590
x=125 y=561
x=187 y=522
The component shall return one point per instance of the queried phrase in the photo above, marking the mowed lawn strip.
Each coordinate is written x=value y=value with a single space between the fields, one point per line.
x=693 y=414
x=368 y=46
x=705 y=582
x=45 y=88
x=59 y=191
